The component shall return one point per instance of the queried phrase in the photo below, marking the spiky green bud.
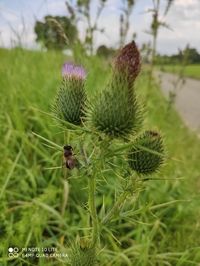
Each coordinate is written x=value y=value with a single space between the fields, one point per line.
x=82 y=255
x=147 y=154
x=71 y=97
x=115 y=111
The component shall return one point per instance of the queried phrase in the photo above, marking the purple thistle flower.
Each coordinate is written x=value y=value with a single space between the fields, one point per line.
x=69 y=70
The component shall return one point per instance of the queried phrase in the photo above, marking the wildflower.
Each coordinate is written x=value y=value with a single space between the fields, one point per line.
x=127 y=63
x=116 y=111
x=71 y=97
x=69 y=70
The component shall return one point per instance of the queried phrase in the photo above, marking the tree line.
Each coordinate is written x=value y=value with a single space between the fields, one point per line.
x=188 y=55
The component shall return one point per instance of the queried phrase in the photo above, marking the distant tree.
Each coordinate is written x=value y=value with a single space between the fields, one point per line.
x=191 y=54
x=56 y=32
x=104 y=51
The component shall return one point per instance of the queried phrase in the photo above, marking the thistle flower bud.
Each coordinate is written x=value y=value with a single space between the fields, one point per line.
x=82 y=255
x=71 y=97
x=147 y=155
x=127 y=62
x=116 y=111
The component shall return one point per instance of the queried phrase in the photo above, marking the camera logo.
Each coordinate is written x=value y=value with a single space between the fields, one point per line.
x=13 y=252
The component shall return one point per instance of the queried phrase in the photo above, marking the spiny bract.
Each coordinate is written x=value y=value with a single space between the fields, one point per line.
x=147 y=154
x=70 y=101
x=116 y=111
x=82 y=256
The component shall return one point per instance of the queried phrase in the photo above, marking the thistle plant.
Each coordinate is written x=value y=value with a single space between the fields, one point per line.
x=111 y=125
x=146 y=155
x=116 y=111
x=71 y=97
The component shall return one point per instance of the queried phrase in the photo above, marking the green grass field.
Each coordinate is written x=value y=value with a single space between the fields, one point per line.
x=163 y=228
x=191 y=71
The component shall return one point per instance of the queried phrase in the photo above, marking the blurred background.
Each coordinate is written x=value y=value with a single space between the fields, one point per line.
x=36 y=38
x=180 y=24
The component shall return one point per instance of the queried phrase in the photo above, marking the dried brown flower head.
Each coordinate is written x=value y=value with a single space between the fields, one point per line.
x=128 y=61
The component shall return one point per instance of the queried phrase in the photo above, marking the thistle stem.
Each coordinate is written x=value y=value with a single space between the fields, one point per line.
x=92 y=208
x=65 y=196
x=116 y=207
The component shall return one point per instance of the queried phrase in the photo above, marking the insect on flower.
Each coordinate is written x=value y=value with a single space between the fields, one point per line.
x=69 y=159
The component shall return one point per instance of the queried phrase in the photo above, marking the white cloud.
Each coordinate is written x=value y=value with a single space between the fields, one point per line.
x=186 y=3
x=183 y=18
x=9 y=16
x=57 y=7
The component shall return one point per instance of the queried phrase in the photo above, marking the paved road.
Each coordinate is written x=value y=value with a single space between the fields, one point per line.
x=187 y=100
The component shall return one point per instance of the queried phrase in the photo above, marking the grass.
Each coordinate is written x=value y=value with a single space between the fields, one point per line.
x=163 y=226
x=191 y=71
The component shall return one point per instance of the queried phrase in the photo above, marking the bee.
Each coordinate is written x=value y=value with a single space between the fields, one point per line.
x=69 y=159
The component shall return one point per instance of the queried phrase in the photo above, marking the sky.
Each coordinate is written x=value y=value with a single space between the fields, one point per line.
x=17 y=19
